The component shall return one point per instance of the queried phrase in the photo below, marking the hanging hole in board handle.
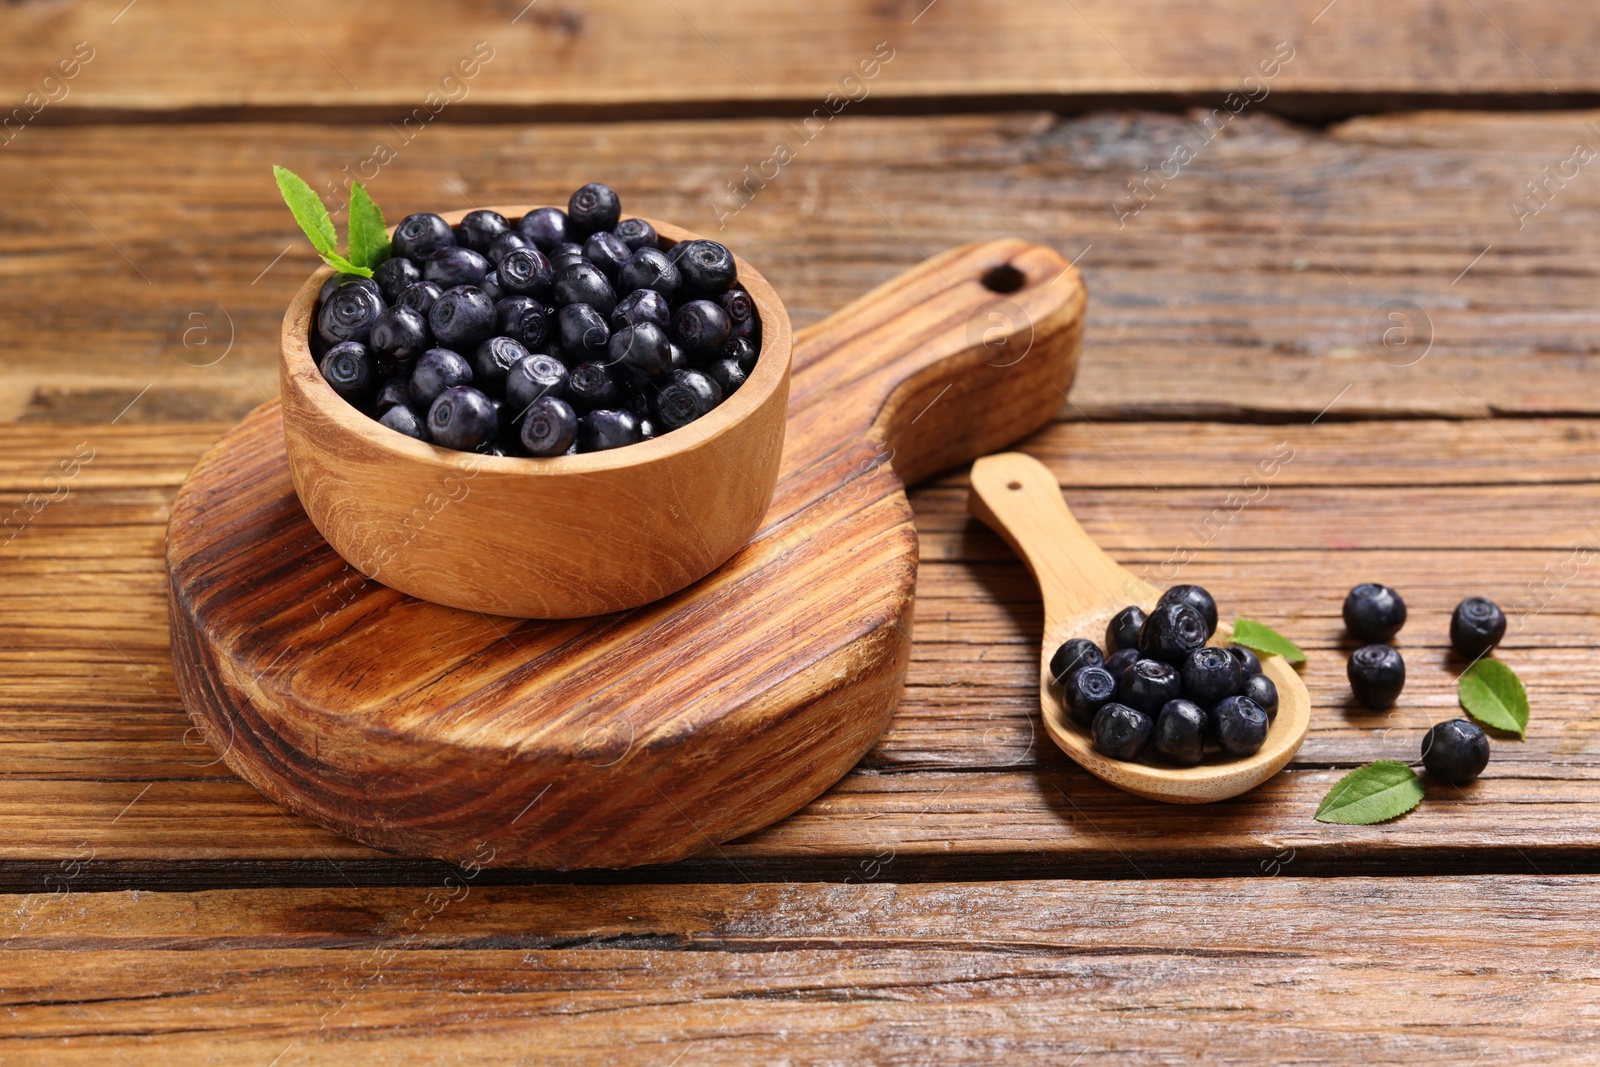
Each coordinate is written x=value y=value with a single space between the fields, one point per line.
x=1003 y=279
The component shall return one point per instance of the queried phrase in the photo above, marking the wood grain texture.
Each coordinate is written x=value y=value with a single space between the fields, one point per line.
x=1279 y=970
x=1209 y=276
x=97 y=751
x=634 y=737
x=1018 y=498
x=641 y=59
x=555 y=538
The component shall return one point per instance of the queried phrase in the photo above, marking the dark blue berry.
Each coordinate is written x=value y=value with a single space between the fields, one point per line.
x=1172 y=632
x=592 y=386
x=351 y=370
x=687 y=396
x=1074 y=653
x=420 y=296
x=534 y=377
x=1456 y=751
x=641 y=305
x=491 y=286
x=549 y=427
x=742 y=314
x=348 y=314
x=506 y=244
x=398 y=337
x=1086 y=690
x=1210 y=675
x=1260 y=688
x=1477 y=626
x=396 y=390
x=1239 y=725
x=584 y=283
x=1198 y=599
x=438 y=369
x=1121 y=732
x=1119 y=662
x=1123 y=629
x=418 y=235
x=394 y=274
x=462 y=318
x=742 y=351
x=607 y=428
x=643 y=349
x=462 y=418
x=701 y=328
x=677 y=358
x=546 y=227
x=1377 y=673
x=707 y=268
x=450 y=267
x=636 y=233
x=1373 y=613
x=526 y=272
x=565 y=255
x=478 y=230
x=339 y=281
x=728 y=375
x=1249 y=662
x=1180 y=733
x=1148 y=684
x=402 y=419
x=606 y=251
x=522 y=319
x=649 y=269
x=594 y=207
x=583 y=331
x=491 y=360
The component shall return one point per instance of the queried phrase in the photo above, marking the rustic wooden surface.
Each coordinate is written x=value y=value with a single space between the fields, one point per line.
x=1240 y=310
x=637 y=736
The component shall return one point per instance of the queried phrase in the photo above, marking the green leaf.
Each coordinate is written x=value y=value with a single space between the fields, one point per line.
x=1493 y=694
x=307 y=208
x=369 y=243
x=1259 y=638
x=339 y=263
x=1378 y=791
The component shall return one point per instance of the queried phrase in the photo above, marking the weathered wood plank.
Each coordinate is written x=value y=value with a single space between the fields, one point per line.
x=1249 y=970
x=89 y=716
x=634 y=58
x=1207 y=303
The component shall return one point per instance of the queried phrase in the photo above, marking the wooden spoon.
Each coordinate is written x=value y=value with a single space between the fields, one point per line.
x=1019 y=499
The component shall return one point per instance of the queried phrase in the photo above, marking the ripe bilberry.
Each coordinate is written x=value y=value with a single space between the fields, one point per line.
x=351 y=370
x=1148 y=684
x=417 y=235
x=1180 y=732
x=1086 y=689
x=1209 y=676
x=1455 y=751
x=462 y=318
x=1172 y=631
x=549 y=427
x=454 y=266
x=1197 y=598
x=594 y=207
x=438 y=369
x=1239 y=725
x=607 y=428
x=1074 y=653
x=462 y=417
x=1377 y=673
x=1123 y=629
x=1121 y=732
x=1477 y=626
x=479 y=229
x=1373 y=613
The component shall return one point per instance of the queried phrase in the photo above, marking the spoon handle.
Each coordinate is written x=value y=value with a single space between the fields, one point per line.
x=1016 y=496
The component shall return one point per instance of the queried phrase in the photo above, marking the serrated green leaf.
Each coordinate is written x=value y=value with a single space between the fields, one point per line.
x=308 y=209
x=369 y=242
x=1260 y=638
x=1379 y=791
x=339 y=263
x=1493 y=694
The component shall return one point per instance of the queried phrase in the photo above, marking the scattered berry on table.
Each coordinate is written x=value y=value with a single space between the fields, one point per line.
x=1373 y=613
x=1456 y=751
x=1120 y=732
x=1180 y=732
x=1377 y=674
x=1123 y=629
x=1477 y=626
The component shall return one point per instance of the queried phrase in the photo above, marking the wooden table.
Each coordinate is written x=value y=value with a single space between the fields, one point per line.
x=966 y=894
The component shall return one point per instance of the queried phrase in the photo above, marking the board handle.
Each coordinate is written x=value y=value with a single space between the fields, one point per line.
x=1018 y=498
x=957 y=357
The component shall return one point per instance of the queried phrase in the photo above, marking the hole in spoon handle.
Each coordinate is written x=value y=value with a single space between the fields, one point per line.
x=1016 y=496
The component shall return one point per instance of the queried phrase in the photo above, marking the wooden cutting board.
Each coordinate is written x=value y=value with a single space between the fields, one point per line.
x=643 y=736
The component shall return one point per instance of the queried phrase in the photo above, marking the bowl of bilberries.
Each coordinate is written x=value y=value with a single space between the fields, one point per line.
x=534 y=411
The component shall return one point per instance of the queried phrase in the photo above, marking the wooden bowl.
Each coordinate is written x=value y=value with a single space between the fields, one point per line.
x=554 y=538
